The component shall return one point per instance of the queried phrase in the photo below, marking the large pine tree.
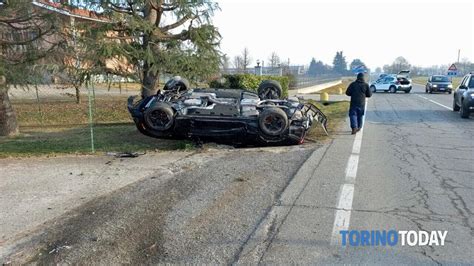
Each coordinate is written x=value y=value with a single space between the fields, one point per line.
x=340 y=64
x=158 y=37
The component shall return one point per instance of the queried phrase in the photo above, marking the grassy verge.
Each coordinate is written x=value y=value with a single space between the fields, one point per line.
x=336 y=113
x=107 y=109
x=61 y=128
x=108 y=138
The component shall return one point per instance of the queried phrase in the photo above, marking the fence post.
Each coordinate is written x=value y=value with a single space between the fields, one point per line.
x=91 y=120
x=40 y=112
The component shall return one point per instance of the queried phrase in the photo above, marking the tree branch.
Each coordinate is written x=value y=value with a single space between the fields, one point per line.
x=177 y=23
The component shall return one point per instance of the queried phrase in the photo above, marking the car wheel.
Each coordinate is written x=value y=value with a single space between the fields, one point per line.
x=464 y=110
x=392 y=89
x=408 y=91
x=455 y=106
x=430 y=91
x=373 y=89
x=269 y=89
x=449 y=92
x=426 y=90
x=159 y=117
x=176 y=83
x=273 y=121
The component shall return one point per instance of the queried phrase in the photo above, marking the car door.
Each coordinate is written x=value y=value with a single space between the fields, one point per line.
x=460 y=90
x=377 y=84
x=385 y=84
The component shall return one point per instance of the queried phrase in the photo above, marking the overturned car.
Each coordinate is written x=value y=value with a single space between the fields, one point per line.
x=225 y=115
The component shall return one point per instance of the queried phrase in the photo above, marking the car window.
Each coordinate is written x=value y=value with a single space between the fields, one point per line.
x=388 y=79
x=464 y=81
x=440 y=79
x=471 y=83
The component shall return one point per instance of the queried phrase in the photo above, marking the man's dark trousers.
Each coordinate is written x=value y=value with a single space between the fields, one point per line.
x=356 y=114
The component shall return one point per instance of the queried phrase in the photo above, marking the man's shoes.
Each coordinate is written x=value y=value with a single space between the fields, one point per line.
x=358 y=129
x=354 y=130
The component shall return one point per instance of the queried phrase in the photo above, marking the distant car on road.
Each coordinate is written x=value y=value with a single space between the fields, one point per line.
x=464 y=96
x=392 y=83
x=439 y=83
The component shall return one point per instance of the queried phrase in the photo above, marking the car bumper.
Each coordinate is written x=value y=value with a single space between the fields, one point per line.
x=469 y=104
x=404 y=87
x=441 y=89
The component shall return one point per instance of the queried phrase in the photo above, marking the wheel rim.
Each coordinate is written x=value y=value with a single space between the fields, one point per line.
x=274 y=124
x=159 y=119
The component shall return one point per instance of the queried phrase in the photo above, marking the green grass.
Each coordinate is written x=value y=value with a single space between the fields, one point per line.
x=108 y=138
x=111 y=109
x=336 y=113
x=62 y=128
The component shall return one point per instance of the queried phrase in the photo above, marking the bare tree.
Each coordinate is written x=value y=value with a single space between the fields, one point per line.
x=464 y=65
x=399 y=64
x=238 y=62
x=274 y=60
x=246 y=58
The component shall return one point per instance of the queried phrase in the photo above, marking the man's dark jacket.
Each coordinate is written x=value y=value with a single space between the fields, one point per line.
x=358 y=91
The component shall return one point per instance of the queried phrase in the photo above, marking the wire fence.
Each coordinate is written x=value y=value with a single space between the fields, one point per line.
x=52 y=119
x=56 y=105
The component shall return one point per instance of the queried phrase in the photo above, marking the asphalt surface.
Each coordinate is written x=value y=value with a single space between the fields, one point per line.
x=201 y=213
x=279 y=205
x=414 y=172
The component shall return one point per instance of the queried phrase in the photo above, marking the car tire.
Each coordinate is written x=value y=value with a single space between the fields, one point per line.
x=392 y=89
x=159 y=117
x=269 y=89
x=449 y=92
x=177 y=83
x=408 y=91
x=455 y=106
x=273 y=121
x=464 y=110
x=373 y=89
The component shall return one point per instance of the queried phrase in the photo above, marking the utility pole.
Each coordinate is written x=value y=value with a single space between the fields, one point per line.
x=459 y=53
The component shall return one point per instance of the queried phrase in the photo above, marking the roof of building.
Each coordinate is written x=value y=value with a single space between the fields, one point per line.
x=70 y=11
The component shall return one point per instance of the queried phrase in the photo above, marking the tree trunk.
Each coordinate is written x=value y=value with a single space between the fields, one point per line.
x=150 y=83
x=8 y=124
x=78 y=95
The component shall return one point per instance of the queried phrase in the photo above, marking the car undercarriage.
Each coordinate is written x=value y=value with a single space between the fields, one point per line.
x=225 y=115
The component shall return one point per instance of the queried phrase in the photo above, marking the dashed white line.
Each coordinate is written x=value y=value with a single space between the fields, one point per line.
x=442 y=105
x=346 y=196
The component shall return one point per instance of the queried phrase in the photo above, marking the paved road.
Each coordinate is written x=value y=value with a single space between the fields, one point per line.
x=409 y=169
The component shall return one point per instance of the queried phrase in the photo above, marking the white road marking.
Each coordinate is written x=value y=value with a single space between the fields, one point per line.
x=351 y=169
x=346 y=196
x=442 y=105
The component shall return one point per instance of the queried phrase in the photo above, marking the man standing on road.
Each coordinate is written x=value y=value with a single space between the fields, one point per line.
x=358 y=91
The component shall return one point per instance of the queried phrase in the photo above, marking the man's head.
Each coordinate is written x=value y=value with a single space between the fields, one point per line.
x=361 y=76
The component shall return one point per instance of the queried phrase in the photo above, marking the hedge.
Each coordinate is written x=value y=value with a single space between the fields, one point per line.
x=248 y=82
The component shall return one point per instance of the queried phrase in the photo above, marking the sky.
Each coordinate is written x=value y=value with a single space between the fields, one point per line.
x=426 y=33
